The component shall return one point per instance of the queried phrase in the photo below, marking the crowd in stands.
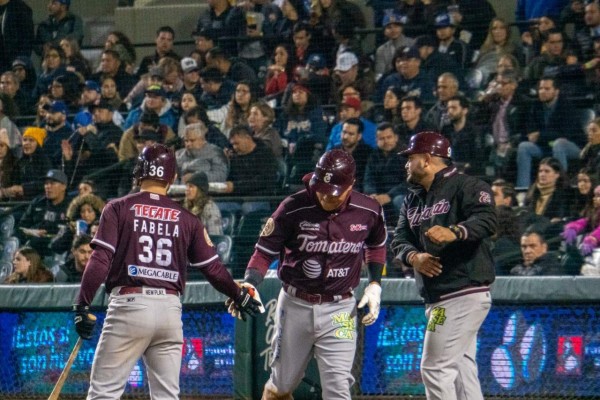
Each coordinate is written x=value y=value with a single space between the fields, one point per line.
x=269 y=86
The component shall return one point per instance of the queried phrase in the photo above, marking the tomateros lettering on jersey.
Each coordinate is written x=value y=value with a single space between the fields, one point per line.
x=156 y=212
x=415 y=217
x=309 y=244
x=152 y=273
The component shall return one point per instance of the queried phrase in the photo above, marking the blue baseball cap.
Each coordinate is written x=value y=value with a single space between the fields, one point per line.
x=443 y=21
x=410 y=52
x=394 y=17
x=58 y=106
x=316 y=61
x=91 y=85
x=65 y=2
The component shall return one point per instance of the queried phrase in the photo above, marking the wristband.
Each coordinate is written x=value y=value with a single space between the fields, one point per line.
x=457 y=231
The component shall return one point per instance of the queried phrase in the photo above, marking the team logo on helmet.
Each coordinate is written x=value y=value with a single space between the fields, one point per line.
x=327 y=177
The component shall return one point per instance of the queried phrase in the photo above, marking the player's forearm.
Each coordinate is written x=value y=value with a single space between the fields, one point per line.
x=94 y=274
x=257 y=268
x=218 y=276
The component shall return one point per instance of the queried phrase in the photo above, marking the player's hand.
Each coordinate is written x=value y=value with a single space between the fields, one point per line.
x=440 y=235
x=246 y=304
x=84 y=321
x=231 y=307
x=372 y=298
x=426 y=264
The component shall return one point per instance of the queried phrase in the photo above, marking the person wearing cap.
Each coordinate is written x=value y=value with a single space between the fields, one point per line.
x=23 y=68
x=444 y=234
x=347 y=72
x=325 y=232
x=17 y=32
x=191 y=78
x=199 y=155
x=552 y=59
x=61 y=23
x=90 y=96
x=435 y=63
x=204 y=40
x=393 y=23
x=46 y=213
x=448 y=44
x=217 y=90
x=149 y=120
x=154 y=100
x=58 y=130
x=408 y=76
x=165 y=36
x=112 y=66
x=351 y=107
x=234 y=70
x=198 y=202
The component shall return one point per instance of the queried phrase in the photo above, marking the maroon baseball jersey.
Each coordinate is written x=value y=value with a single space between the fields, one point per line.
x=153 y=240
x=323 y=251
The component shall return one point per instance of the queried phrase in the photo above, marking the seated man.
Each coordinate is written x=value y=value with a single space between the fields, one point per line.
x=73 y=268
x=351 y=107
x=156 y=100
x=46 y=214
x=201 y=156
x=353 y=143
x=217 y=89
x=536 y=258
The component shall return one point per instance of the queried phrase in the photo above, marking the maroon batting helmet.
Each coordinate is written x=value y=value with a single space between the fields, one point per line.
x=429 y=142
x=156 y=162
x=334 y=173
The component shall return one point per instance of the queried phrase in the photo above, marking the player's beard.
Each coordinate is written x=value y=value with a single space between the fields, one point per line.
x=416 y=175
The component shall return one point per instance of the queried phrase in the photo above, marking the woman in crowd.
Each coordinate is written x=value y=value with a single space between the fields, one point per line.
x=587 y=179
x=548 y=198
x=261 y=120
x=588 y=225
x=28 y=268
x=41 y=109
x=199 y=203
x=52 y=66
x=238 y=108
x=108 y=90
x=119 y=42
x=67 y=89
x=74 y=60
x=188 y=101
x=496 y=44
x=390 y=111
x=279 y=73
x=590 y=154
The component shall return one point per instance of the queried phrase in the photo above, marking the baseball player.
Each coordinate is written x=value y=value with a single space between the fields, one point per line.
x=444 y=233
x=323 y=233
x=142 y=249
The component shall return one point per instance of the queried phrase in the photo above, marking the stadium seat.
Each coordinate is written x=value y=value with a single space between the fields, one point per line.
x=224 y=245
x=5 y=270
x=228 y=221
x=7 y=226
x=9 y=247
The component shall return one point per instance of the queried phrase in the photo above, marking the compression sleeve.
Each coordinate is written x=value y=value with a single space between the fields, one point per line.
x=94 y=274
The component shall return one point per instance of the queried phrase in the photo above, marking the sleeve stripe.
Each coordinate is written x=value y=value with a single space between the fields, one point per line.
x=465 y=231
x=377 y=245
x=103 y=244
x=365 y=208
x=299 y=209
x=274 y=253
x=205 y=262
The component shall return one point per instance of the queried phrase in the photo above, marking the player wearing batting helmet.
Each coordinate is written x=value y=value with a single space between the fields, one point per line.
x=142 y=249
x=443 y=233
x=324 y=233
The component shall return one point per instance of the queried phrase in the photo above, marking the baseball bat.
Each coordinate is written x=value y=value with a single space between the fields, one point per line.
x=67 y=368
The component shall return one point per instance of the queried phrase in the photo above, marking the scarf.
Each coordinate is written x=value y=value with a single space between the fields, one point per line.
x=545 y=194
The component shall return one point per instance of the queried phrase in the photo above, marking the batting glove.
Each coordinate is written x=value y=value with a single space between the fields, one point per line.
x=246 y=303
x=231 y=307
x=371 y=297
x=569 y=235
x=588 y=245
x=84 y=321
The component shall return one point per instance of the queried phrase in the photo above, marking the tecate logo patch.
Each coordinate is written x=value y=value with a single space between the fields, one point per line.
x=312 y=269
x=152 y=273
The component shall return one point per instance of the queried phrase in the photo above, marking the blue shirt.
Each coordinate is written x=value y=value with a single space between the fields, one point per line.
x=368 y=135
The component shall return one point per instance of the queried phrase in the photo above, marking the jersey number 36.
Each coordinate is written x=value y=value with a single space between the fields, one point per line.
x=162 y=255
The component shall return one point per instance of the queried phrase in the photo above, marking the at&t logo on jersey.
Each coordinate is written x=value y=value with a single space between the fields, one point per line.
x=156 y=212
x=152 y=273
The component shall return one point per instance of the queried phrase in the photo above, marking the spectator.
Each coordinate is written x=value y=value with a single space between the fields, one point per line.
x=390 y=111
x=548 y=198
x=385 y=174
x=198 y=202
x=154 y=100
x=351 y=108
x=32 y=166
x=66 y=88
x=507 y=249
x=234 y=70
x=111 y=66
x=261 y=120
x=120 y=42
x=347 y=72
x=53 y=66
x=253 y=167
x=108 y=92
x=91 y=96
x=41 y=108
x=573 y=13
x=57 y=130
x=590 y=154
x=217 y=90
x=537 y=260
x=81 y=252
x=468 y=152
x=304 y=44
x=60 y=23
x=225 y=20
x=86 y=186
x=7 y=126
x=301 y=119
x=9 y=169
x=583 y=40
x=504 y=193
x=205 y=39
x=291 y=12
x=28 y=268
x=11 y=87
x=532 y=39
x=74 y=60
x=331 y=14
x=549 y=62
x=473 y=17
x=165 y=36
x=23 y=69
x=588 y=226
x=408 y=76
x=201 y=156
x=583 y=201
x=352 y=143
x=315 y=76
x=445 y=29
x=253 y=52
x=496 y=44
x=16 y=33
x=148 y=120
x=45 y=214
x=433 y=62
x=238 y=108
x=393 y=23
x=411 y=111
x=549 y=131
x=188 y=101
x=447 y=87
x=214 y=135
x=507 y=64
x=279 y=73
x=191 y=77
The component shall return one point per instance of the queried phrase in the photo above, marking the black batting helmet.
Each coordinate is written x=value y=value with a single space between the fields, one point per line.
x=157 y=162
x=334 y=173
x=429 y=142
